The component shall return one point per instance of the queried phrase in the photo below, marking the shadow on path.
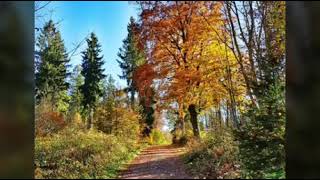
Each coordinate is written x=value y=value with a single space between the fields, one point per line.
x=157 y=162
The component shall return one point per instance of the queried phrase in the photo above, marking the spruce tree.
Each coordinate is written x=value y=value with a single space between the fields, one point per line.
x=51 y=68
x=130 y=58
x=92 y=72
x=109 y=87
x=76 y=96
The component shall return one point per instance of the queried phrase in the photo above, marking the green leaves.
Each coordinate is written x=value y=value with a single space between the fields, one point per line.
x=262 y=138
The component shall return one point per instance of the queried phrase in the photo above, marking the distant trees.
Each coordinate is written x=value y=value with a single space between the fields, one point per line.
x=113 y=115
x=76 y=82
x=92 y=72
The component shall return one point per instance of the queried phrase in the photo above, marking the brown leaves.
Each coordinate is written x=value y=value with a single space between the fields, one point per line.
x=49 y=122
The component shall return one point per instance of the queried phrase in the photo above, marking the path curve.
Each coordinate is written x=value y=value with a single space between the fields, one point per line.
x=157 y=162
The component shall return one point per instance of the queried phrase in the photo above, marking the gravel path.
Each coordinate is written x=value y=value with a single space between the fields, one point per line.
x=157 y=162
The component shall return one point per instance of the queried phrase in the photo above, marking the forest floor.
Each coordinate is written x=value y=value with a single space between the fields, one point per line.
x=157 y=162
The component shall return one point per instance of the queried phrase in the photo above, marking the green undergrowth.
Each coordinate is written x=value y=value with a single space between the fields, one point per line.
x=158 y=137
x=75 y=153
x=215 y=156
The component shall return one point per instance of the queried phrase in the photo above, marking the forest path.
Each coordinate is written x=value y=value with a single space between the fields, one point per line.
x=157 y=162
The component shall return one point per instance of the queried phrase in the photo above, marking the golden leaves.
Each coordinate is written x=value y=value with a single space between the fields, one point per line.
x=187 y=51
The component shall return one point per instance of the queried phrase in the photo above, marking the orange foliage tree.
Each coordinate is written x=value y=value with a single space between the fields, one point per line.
x=185 y=53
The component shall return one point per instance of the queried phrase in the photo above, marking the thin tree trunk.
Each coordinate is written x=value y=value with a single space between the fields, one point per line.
x=228 y=114
x=219 y=116
x=181 y=119
x=238 y=54
x=183 y=128
x=90 y=119
x=132 y=100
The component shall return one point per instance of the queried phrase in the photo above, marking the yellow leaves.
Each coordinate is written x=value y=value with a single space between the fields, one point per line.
x=188 y=51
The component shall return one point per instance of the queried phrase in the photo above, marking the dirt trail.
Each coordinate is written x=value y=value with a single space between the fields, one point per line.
x=157 y=162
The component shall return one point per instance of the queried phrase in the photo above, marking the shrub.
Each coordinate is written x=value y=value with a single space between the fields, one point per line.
x=74 y=153
x=48 y=123
x=214 y=157
x=119 y=121
x=157 y=137
x=180 y=139
x=47 y=120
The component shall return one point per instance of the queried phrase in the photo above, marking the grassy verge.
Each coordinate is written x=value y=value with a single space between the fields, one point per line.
x=74 y=153
x=214 y=157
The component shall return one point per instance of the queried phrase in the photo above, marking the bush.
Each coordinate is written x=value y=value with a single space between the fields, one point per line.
x=157 y=137
x=214 y=157
x=180 y=139
x=119 y=121
x=74 y=153
x=47 y=121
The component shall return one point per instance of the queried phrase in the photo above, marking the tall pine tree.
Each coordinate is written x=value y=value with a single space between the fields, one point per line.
x=131 y=57
x=92 y=72
x=51 y=68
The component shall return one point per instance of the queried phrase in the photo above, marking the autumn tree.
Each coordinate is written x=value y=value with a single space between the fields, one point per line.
x=113 y=116
x=143 y=77
x=185 y=53
x=92 y=72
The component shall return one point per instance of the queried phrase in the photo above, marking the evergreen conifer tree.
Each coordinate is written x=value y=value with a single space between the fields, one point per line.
x=76 y=97
x=130 y=58
x=51 y=68
x=92 y=72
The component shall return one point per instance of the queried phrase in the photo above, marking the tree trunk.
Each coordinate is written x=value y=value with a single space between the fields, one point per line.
x=207 y=121
x=182 y=125
x=132 y=100
x=181 y=121
x=194 y=120
x=219 y=115
x=228 y=114
x=90 y=119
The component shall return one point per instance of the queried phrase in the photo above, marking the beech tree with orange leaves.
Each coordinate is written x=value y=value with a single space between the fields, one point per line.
x=185 y=53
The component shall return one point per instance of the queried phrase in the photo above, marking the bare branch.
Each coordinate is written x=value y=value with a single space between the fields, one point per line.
x=72 y=52
x=41 y=7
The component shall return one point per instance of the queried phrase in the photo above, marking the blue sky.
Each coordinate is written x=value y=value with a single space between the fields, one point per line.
x=107 y=19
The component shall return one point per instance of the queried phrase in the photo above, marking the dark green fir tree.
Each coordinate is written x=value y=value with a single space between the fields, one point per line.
x=92 y=72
